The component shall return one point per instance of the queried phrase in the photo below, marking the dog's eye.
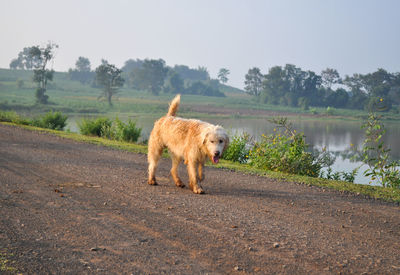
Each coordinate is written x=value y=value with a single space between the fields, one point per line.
x=220 y=141
x=212 y=141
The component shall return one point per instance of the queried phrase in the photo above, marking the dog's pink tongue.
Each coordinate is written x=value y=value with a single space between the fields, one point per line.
x=215 y=160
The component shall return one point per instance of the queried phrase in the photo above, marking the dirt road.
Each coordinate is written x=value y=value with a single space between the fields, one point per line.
x=69 y=207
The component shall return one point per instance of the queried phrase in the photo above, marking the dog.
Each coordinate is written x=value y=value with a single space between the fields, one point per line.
x=190 y=140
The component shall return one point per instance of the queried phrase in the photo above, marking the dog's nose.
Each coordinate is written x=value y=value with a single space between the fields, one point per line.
x=216 y=153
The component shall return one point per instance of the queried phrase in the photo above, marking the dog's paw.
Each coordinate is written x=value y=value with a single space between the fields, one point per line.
x=198 y=190
x=180 y=184
x=152 y=182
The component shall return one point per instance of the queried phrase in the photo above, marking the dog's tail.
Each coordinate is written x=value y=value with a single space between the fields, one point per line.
x=174 y=105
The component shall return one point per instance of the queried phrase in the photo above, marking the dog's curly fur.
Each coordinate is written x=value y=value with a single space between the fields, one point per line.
x=190 y=140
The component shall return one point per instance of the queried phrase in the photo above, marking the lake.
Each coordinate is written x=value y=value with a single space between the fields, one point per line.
x=338 y=136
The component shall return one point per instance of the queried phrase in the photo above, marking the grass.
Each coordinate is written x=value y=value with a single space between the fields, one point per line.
x=5 y=263
x=71 y=97
x=376 y=192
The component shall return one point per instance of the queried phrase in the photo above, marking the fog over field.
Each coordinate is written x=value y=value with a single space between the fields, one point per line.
x=351 y=36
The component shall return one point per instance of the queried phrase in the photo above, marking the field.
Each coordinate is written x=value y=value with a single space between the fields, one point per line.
x=73 y=98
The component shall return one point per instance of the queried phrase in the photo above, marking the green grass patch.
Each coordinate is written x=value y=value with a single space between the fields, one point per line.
x=6 y=265
x=376 y=192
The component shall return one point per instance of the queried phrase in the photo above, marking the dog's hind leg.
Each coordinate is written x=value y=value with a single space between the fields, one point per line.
x=153 y=157
x=174 y=170
x=193 y=184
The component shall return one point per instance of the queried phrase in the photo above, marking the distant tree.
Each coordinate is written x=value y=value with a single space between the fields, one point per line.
x=150 y=76
x=373 y=89
x=330 y=77
x=204 y=71
x=253 y=81
x=24 y=60
x=83 y=64
x=394 y=93
x=378 y=85
x=109 y=78
x=358 y=94
x=223 y=75
x=338 y=99
x=82 y=71
x=187 y=73
x=175 y=83
x=354 y=82
x=131 y=64
x=40 y=57
x=16 y=64
x=275 y=85
x=205 y=89
x=311 y=88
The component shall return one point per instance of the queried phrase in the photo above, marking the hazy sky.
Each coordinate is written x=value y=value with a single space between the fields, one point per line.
x=352 y=36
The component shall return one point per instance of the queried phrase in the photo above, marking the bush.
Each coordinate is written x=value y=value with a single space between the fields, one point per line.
x=104 y=127
x=94 y=127
x=126 y=132
x=238 y=149
x=285 y=152
x=51 y=120
x=13 y=117
x=344 y=176
x=376 y=154
x=330 y=111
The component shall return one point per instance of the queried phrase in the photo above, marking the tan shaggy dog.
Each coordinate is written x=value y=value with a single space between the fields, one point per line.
x=190 y=140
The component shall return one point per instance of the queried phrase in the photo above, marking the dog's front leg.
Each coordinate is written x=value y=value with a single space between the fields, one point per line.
x=174 y=170
x=201 y=174
x=193 y=184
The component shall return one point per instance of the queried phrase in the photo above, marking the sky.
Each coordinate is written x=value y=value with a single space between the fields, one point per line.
x=352 y=36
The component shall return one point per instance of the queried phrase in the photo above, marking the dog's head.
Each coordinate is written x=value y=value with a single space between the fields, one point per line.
x=215 y=140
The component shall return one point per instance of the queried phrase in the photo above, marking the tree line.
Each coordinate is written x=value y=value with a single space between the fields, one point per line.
x=292 y=86
x=152 y=75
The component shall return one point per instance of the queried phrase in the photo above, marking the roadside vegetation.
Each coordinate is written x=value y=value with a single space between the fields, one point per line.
x=50 y=120
x=285 y=150
x=376 y=155
x=106 y=128
x=291 y=160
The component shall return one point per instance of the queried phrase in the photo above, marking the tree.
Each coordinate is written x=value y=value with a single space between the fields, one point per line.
x=150 y=76
x=82 y=71
x=82 y=64
x=330 y=77
x=223 y=75
x=358 y=95
x=338 y=98
x=253 y=81
x=205 y=89
x=185 y=72
x=24 y=60
x=175 y=83
x=311 y=88
x=109 y=77
x=131 y=64
x=15 y=64
x=40 y=57
x=275 y=85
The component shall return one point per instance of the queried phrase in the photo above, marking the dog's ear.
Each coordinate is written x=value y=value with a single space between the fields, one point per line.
x=204 y=136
